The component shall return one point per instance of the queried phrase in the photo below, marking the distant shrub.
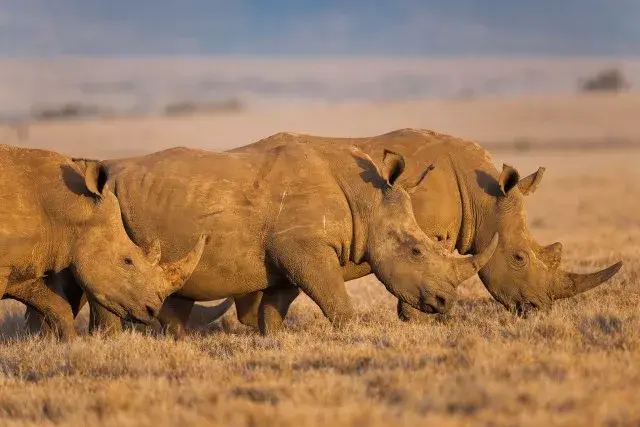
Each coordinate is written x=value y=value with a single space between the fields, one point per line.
x=66 y=111
x=466 y=93
x=522 y=144
x=609 y=80
x=193 y=107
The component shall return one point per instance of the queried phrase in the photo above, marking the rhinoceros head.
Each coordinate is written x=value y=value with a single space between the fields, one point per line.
x=523 y=275
x=413 y=267
x=115 y=272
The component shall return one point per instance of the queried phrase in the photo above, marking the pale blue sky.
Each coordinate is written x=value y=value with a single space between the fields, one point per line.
x=308 y=27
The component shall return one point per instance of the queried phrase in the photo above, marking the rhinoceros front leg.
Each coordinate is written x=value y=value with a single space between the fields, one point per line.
x=63 y=284
x=314 y=267
x=174 y=315
x=274 y=306
x=173 y=318
x=53 y=311
x=406 y=313
x=103 y=321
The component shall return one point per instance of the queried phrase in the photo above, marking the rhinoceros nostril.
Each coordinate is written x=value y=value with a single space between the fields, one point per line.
x=441 y=301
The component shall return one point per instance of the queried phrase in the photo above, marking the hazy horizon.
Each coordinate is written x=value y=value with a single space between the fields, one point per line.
x=147 y=85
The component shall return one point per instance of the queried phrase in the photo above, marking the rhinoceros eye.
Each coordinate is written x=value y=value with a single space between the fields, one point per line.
x=416 y=251
x=127 y=261
x=520 y=258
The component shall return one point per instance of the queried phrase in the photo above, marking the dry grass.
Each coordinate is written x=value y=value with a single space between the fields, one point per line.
x=578 y=365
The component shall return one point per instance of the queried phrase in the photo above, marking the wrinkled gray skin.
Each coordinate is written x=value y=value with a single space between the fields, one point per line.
x=296 y=217
x=59 y=217
x=464 y=202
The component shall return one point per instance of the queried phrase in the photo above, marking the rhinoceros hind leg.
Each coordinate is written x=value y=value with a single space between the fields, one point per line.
x=314 y=267
x=274 y=307
x=247 y=307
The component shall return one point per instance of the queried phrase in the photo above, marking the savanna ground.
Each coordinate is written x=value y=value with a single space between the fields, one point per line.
x=577 y=365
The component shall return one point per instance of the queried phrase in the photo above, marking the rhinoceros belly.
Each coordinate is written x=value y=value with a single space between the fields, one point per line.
x=226 y=271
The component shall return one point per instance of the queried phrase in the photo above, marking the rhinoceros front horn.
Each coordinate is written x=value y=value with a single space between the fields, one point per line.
x=467 y=267
x=567 y=284
x=178 y=272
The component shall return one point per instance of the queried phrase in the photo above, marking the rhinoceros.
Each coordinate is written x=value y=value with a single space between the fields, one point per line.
x=474 y=201
x=281 y=220
x=463 y=204
x=60 y=217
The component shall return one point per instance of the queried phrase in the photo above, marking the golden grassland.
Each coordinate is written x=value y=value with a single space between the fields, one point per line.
x=577 y=365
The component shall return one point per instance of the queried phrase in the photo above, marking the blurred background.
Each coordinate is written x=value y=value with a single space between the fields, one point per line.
x=225 y=73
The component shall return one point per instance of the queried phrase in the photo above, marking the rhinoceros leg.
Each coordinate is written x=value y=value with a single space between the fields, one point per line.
x=35 y=322
x=103 y=321
x=174 y=315
x=4 y=279
x=64 y=285
x=274 y=306
x=314 y=267
x=173 y=318
x=55 y=312
x=407 y=313
x=247 y=307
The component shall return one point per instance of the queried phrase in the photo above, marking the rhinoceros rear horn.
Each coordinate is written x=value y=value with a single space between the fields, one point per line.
x=153 y=252
x=551 y=255
x=567 y=284
x=178 y=272
x=467 y=267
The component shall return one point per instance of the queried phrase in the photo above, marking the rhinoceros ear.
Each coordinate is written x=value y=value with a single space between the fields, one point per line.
x=411 y=188
x=95 y=177
x=393 y=166
x=529 y=184
x=508 y=179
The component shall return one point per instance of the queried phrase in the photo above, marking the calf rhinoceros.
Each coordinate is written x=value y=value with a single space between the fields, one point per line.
x=59 y=216
x=463 y=204
x=286 y=219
